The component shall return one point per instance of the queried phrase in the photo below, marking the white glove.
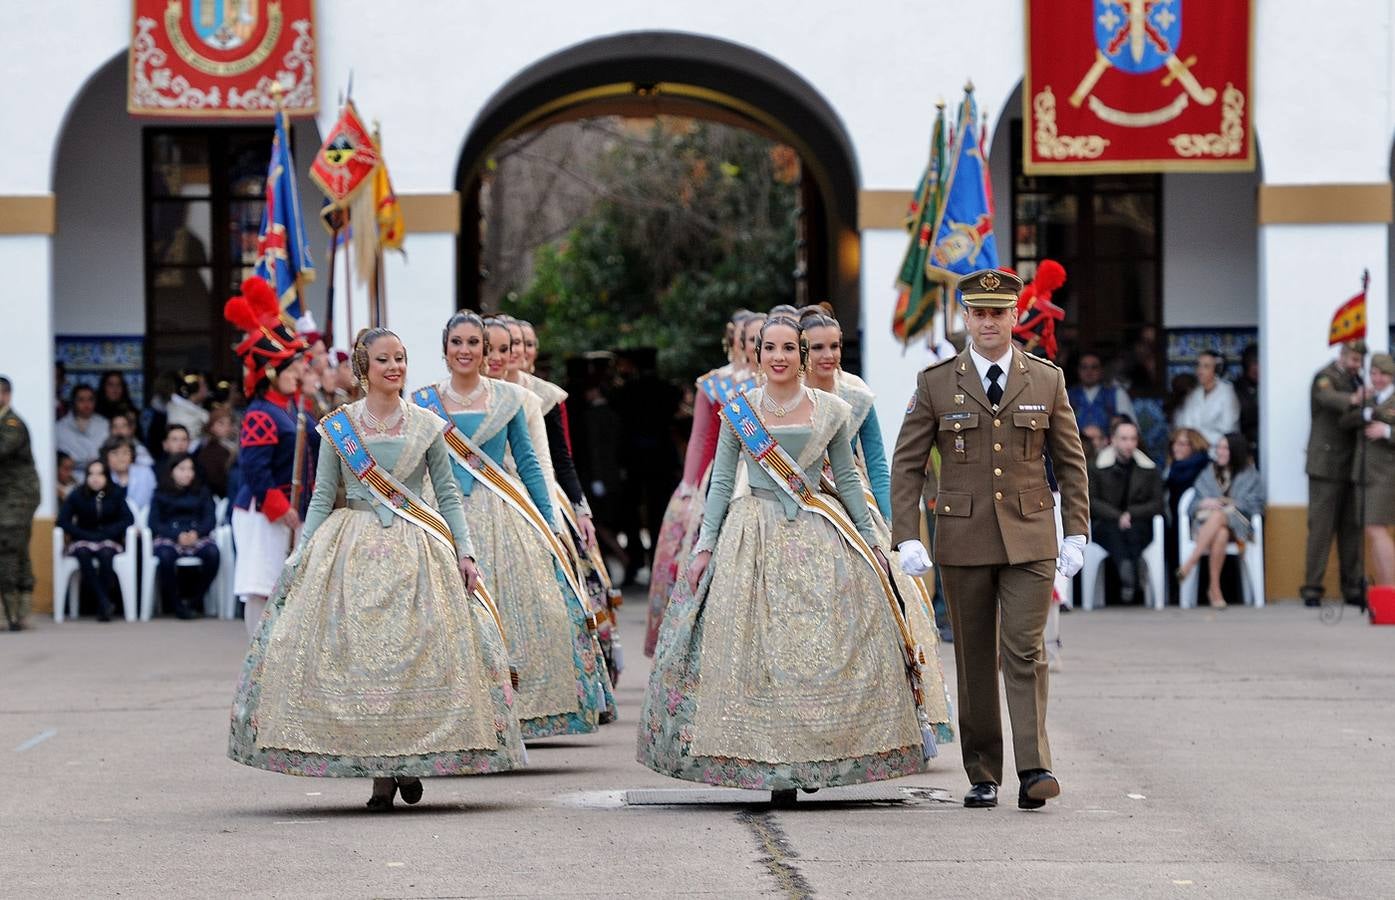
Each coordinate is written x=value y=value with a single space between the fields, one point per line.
x=914 y=559
x=1072 y=557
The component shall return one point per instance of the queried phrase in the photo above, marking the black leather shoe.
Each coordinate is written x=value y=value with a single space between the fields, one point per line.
x=1038 y=786
x=983 y=795
x=1312 y=602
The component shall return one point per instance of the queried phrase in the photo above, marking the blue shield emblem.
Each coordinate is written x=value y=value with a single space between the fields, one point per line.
x=1138 y=36
x=224 y=24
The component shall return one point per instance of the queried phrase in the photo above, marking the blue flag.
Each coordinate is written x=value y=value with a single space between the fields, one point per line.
x=283 y=254
x=964 y=234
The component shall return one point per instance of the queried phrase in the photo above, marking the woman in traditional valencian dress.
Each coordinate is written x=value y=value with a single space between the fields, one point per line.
x=375 y=657
x=782 y=661
x=586 y=560
x=824 y=338
x=680 y=533
x=710 y=391
x=562 y=679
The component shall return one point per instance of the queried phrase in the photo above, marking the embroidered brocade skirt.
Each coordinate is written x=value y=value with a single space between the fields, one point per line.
x=668 y=565
x=563 y=686
x=785 y=669
x=371 y=660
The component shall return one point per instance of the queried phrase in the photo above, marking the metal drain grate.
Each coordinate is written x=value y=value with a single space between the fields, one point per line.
x=858 y=793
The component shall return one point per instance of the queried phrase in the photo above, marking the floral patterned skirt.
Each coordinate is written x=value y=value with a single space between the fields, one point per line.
x=667 y=562
x=784 y=669
x=563 y=684
x=371 y=661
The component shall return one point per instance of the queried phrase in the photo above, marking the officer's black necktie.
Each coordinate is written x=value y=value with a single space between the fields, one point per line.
x=995 y=390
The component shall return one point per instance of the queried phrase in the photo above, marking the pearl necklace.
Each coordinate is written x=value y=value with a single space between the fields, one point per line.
x=381 y=426
x=769 y=404
x=468 y=399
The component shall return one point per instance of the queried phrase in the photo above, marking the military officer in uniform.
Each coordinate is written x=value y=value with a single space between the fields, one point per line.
x=1373 y=470
x=992 y=411
x=19 y=497
x=1337 y=389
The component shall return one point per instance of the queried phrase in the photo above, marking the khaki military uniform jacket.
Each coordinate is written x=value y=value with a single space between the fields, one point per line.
x=1332 y=440
x=1378 y=467
x=993 y=504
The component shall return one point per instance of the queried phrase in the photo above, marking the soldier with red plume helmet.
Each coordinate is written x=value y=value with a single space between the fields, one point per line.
x=264 y=519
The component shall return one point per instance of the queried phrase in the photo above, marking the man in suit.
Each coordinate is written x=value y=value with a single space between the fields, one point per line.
x=993 y=411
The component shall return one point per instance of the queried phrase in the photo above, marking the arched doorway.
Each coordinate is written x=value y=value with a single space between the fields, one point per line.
x=651 y=74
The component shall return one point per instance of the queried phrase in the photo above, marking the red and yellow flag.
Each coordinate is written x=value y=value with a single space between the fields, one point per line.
x=1349 y=321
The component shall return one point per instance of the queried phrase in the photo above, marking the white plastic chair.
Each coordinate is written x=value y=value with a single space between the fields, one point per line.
x=66 y=586
x=1153 y=575
x=1251 y=558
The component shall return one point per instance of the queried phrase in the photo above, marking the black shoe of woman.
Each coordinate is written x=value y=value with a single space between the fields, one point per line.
x=410 y=789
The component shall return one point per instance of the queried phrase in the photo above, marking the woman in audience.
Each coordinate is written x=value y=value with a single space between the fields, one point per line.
x=218 y=450
x=113 y=396
x=182 y=523
x=139 y=481
x=1228 y=493
x=65 y=474
x=82 y=431
x=95 y=518
x=1187 y=454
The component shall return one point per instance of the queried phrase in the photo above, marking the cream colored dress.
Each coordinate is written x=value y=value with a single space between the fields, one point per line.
x=786 y=668
x=371 y=659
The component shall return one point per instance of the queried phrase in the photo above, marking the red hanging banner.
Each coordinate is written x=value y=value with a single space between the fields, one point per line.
x=221 y=58
x=1133 y=86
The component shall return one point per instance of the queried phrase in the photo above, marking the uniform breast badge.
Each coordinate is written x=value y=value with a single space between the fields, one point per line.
x=959 y=399
x=959 y=443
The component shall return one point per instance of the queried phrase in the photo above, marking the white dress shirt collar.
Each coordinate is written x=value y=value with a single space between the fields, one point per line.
x=982 y=363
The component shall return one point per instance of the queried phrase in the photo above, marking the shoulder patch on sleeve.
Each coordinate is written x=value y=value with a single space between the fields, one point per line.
x=910 y=407
x=1324 y=382
x=258 y=429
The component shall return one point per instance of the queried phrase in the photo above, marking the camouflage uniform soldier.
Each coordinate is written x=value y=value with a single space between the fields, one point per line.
x=1337 y=389
x=19 y=498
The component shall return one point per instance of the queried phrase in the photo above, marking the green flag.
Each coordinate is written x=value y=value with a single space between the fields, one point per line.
x=919 y=297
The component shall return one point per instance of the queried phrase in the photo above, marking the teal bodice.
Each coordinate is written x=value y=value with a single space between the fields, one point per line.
x=514 y=437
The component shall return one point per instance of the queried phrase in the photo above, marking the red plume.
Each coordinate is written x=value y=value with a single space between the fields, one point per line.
x=260 y=297
x=239 y=312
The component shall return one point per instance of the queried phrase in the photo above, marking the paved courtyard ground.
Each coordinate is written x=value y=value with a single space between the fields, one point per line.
x=1241 y=753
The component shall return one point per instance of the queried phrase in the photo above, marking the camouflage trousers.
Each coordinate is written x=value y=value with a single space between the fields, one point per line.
x=16 y=572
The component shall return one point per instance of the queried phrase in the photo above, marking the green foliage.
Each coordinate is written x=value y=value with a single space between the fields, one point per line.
x=690 y=223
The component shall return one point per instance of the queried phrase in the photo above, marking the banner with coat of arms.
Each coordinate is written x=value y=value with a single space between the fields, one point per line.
x=1137 y=86
x=222 y=58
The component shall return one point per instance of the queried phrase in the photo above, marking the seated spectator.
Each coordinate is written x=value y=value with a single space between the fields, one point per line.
x=219 y=448
x=181 y=524
x=1096 y=402
x=95 y=518
x=176 y=441
x=1094 y=439
x=186 y=407
x=1212 y=407
x=154 y=418
x=81 y=433
x=113 y=395
x=65 y=475
x=60 y=390
x=1228 y=493
x=1125 y=495
x=123 y=425
x=138 y=481
x=1247 y=391
x=1187 y=454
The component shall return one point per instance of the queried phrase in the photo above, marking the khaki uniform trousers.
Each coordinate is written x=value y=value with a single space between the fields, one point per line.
x=1332 y=512
x=1000 y=612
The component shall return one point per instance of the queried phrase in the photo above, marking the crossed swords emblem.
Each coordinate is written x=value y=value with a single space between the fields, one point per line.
x=1136 y=28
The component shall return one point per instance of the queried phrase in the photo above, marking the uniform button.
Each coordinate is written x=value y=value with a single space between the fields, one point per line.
x=957 y=426
x=997 y=495
x=997 y=448
x=998 y=472
x=1041 y=504
x=1034 y=424
x=946 y=507
x=997 y=423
